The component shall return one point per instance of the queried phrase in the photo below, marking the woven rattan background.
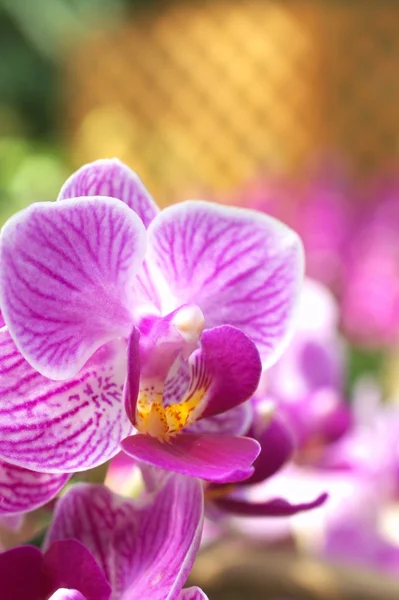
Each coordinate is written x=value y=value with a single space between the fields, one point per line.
x=202 y=95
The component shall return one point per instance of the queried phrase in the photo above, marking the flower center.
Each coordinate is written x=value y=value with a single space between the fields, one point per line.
x=172 y=337
x=161 y=421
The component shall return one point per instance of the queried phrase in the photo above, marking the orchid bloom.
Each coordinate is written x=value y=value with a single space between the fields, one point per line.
x=110 y=324
x=307 y=382
x=103 y=547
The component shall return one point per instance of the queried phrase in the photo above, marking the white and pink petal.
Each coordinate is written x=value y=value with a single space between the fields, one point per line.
x=62 y=427
x=22 y=490
x=110 y=177
x=241 y=267
x=66 y=277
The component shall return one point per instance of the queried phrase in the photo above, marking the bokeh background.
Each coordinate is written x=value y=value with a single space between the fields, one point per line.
x=286 y=106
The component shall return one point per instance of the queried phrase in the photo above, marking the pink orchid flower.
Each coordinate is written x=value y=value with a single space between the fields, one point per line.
x=118 y=314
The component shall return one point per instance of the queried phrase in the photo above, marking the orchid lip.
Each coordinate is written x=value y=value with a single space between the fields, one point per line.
x=151 y=416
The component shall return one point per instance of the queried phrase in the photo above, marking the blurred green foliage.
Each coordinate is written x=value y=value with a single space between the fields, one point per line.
x=34 y=40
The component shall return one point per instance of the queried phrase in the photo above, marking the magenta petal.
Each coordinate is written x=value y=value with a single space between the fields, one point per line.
x=218 y=458
x=277 y=447
x=278 y=507
x=110 y=177
x=240 y=267
x=62 y=427
x=20 y=571
x=230 y=362
x=22 y=490
x=147 y=547
x=66 y=275
x=68 y=564
x=192 y=593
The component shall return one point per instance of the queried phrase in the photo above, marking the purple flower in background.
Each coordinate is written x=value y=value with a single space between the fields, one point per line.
x=167 y=322
x=360 y=473
x=101 y=546
x=318 y=207
x=277 y=448
x=307 y=382
x=370 y=295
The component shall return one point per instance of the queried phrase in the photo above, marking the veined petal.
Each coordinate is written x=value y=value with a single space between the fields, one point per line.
x=62 y=427
x=277 y=507
x=219 y=458
x=68 y=564
x=241 y=267
x=145 y=548
x=22 y=490
x=192 y=593
x=111 y=177
x=66 y=274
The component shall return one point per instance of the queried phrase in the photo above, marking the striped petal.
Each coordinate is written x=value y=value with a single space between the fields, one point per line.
x=240 y=267
x=61 y=427
x=22 y=490
x=145 y=548
x=110 y=177
x=66 y=273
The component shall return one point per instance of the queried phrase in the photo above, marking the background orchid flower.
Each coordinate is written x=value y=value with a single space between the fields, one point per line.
x=179 y=312
x=360 y=473
x=277 y=448
x=307 y=383
x=101 y=546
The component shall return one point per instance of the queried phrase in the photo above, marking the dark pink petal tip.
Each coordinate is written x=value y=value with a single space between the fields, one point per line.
x=277 y=447
x=20 y=573
x=217 y=458
x=69 y=564
x=277 y=507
